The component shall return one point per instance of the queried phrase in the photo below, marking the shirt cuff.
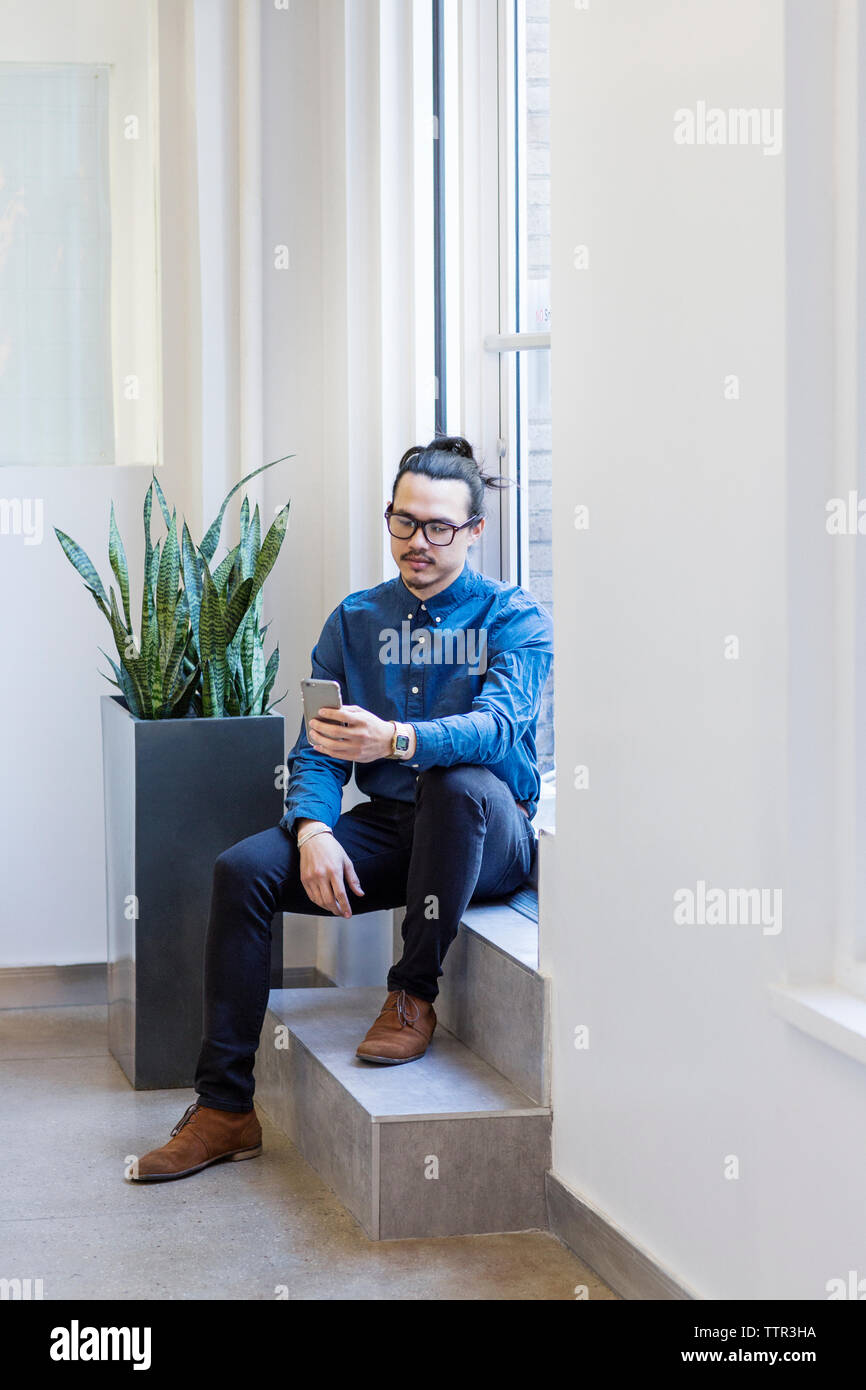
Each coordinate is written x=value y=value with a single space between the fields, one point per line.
x=309 y=811
x=430 y=744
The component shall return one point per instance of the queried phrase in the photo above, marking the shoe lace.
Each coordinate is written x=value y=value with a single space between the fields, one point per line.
x=185 y=1117
x=400 y=1005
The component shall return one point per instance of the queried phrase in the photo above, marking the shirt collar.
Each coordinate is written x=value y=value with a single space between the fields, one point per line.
x=446 y=600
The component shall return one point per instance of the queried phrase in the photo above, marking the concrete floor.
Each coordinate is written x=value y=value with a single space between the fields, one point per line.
x=235 y=1231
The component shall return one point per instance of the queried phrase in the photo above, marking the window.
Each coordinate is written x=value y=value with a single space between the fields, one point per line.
x=492 y=311
x=524 y=342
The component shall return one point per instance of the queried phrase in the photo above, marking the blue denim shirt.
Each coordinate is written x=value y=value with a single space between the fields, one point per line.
x=466 y=667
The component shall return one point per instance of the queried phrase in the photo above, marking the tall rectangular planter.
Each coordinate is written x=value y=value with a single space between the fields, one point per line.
x=177 y=793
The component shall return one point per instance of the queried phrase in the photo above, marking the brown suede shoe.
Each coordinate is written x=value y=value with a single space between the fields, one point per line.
x=202 y=1137
x=402 y=1031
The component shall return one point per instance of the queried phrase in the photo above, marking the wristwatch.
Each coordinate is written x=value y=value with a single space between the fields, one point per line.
x=399 y=742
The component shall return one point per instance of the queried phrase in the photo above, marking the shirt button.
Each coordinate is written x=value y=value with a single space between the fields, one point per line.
x=414 y=690
x=438 y=620
x=424 y=606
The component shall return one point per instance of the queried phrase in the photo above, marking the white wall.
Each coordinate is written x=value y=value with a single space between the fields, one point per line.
x=703 y=261
x=52 y=901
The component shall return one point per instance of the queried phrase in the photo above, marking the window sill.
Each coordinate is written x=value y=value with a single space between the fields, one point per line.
x=545 y=816
x=825 y=1011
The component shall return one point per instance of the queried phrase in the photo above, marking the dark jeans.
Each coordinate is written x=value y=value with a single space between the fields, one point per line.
x=463 y=837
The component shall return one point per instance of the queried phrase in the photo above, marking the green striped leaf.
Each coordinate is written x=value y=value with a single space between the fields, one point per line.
x=151 y=570
x=238 y=608
x=257 y=610
x=247 y=648
x=263 y=690
x=168 y=579
x=232 y=699
x=148 y=621
x=85 y=567
x=148 y=552
x=258 y=677
x=154 y=676
x=131 y=694
x=212 y=630
x=150 y=645
x=192 y=572
x=174 y=665
x=183 y=699
x=124 y=685
x=117 y=559
x=223 y=570
x=271 y=670
x=163 y=505
x=212 y=536
x=271 y=547
x=129 y=662
x=213 y=688
x=251 y=546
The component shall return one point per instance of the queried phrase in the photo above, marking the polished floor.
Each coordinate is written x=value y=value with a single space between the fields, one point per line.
x=265 y=1229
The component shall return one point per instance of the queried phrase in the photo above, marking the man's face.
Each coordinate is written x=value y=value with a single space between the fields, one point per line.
x=425 y=568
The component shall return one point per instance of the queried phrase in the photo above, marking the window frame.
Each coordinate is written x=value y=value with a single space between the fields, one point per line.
x=491 y=123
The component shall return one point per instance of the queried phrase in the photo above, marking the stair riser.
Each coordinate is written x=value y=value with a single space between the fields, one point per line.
x=499 y=1009
x=490 y=1176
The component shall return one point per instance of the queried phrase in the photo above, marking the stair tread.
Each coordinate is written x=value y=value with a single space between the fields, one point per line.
x=508 y=930
x=449 y=1080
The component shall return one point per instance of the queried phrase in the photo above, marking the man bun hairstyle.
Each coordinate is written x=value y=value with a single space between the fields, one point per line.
x=452 y=456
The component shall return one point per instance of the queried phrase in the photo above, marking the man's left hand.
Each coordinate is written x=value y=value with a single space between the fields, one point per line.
x=352 y=734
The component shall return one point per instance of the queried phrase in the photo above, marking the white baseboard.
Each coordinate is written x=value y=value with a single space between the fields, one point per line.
x=627 y=1269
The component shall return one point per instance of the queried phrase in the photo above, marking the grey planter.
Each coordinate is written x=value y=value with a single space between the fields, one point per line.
x=177 y=793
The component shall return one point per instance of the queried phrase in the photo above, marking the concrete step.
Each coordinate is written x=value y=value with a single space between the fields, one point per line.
x=445 y=1145
x=492 y=997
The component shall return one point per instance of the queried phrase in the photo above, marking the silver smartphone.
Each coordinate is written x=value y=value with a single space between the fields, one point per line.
x=319 y=695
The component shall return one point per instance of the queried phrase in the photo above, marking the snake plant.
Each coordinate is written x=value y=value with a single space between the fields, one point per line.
x=200 y=650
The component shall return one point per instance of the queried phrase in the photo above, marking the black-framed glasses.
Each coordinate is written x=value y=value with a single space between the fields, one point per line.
x=403 y=526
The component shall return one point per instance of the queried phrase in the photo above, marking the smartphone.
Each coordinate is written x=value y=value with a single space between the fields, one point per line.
x=319 y=695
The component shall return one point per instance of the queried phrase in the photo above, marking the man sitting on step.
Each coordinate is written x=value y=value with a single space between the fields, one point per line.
x=443 y=670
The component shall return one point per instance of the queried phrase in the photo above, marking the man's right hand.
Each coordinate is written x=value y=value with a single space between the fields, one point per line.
x=326 y=869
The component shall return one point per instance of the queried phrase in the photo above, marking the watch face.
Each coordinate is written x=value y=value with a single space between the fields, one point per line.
x=402 y=743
